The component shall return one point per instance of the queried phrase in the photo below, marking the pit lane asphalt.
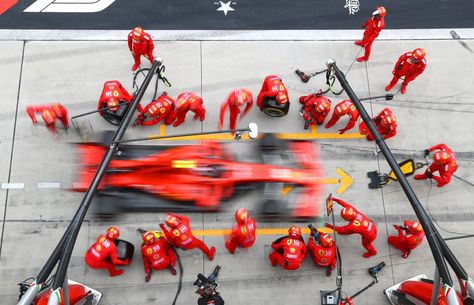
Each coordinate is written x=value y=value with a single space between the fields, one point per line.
x=437 y=108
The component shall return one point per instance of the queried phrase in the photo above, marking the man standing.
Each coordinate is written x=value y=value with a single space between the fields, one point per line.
x=140 y=43
x=410 y=65
x=372 y=27
x=358 y=224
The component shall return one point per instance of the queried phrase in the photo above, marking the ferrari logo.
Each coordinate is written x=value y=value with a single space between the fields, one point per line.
x=176 y=232
x=356 y=223
x=243 y=230
x=116 y=93
x=321 y=252
x=282 y=87
x=288 y=242
x=149 y=251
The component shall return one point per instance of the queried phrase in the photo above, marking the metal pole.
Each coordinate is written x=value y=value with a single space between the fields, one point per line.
x=94 y=111
x=434 y=294
x=82 y=211
x=417 y=207
x=63 y=250
x=66 y=290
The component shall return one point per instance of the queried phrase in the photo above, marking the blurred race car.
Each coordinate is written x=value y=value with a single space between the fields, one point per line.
x=199 y=177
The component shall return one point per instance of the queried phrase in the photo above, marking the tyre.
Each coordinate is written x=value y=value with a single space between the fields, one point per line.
x=116 y=117
x=274 y=109
x=124 y=249
x=269 y=143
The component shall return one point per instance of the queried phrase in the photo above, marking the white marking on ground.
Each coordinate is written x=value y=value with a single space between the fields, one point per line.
x=6 y=186
x=49 y=185
x=224 y=35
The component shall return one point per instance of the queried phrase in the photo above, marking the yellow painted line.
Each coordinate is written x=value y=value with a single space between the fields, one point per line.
x=272 y=231
x=314 y=129
x=288 y=136
x=162 y=130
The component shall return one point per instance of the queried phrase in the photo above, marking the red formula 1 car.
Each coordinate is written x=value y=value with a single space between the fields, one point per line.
x=199 y=177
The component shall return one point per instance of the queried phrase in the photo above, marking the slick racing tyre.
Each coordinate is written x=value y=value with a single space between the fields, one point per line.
x=272 y=108
x=115 y=117
x=124 y=249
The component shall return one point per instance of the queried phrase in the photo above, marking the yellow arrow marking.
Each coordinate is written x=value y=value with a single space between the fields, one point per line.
x=346 y=180
x=271 y=231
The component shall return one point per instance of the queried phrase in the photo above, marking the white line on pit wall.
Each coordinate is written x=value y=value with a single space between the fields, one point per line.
x=6 y=186
x=49 y=185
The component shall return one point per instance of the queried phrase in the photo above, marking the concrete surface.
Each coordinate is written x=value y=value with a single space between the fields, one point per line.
x=438 y=107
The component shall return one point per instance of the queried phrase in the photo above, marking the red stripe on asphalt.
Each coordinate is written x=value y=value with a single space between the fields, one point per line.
x=5 y=5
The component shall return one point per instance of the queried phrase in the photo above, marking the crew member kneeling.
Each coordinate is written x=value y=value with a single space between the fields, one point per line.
x=289 y=251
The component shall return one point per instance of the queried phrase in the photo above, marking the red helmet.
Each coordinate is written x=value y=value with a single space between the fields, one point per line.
x=348 y=213
x=388 y=120
x=413 y=226
x=171 y=221
x=149 y=238
x=138 y=33
x=442 y=157
x=281 y=97
x=112 y=233
x=418 y=54
x=241 y=215
x=294 y=232
x=381 y=11
x=113 y=104
x=326 y=240
x=48 y=116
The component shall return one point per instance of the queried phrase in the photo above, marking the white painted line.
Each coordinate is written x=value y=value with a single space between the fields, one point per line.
x=49 y=185
x=224 y=35
x=13 y=186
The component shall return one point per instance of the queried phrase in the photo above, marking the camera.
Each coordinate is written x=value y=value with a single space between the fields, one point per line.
x=204 y=283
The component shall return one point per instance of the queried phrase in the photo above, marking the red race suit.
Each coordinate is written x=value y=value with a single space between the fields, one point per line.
x=407 y=68
x=373 y=26
x=189 y=101
x=315 y=109
x=234 y=101
x=182 y=237
x=157 y=256
x=386 y=123
x=49 y=113
x=445 y=171
x=322 y=256
x=406 y=241
x=144 y=47
x=272 y=87
x=344 y=108
x=113 y=89
x=157 y=110
x=103 y=255
x=243 y=236
x=359 y=225
x=288 y=252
